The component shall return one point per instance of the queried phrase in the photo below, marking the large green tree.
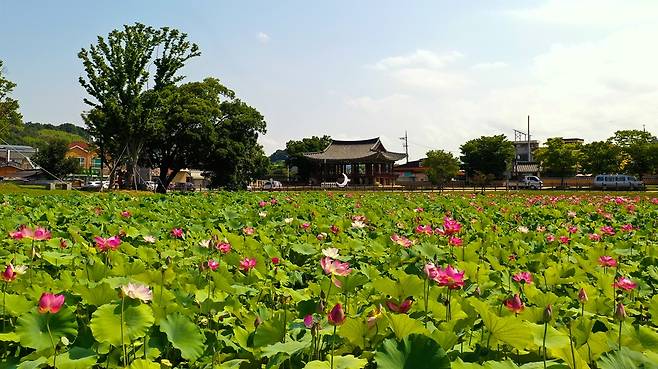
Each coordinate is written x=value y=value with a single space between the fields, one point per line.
x=296 y=150
x=638 y=151
x=10 y=117
x=559 y=159
x=488 y=155
x=443 y=166
x=117 y=79
x=600 y=157
x=203 y=125
x=52 y=157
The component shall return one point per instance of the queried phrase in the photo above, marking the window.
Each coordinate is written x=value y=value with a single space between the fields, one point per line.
x=81 y=161
x=96 y=162
x=348 y=169
x=362 y=169
x=599 y=179
x=621 y=179
x=609 y=179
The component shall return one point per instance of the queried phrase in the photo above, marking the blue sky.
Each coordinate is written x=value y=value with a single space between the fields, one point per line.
x=445 y=71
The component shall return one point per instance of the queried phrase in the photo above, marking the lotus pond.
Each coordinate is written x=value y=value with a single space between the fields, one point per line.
x=329 y=280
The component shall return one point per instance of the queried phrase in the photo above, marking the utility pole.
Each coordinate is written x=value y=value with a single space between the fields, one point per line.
x=529 y=152
x=405 y=139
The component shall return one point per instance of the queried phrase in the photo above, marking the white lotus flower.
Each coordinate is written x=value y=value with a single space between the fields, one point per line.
x=331 y=253
x=137 y=291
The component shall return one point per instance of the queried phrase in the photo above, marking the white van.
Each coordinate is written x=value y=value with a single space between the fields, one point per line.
x=617 y=181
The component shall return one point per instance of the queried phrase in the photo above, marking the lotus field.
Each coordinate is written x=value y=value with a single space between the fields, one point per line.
x=329 y=280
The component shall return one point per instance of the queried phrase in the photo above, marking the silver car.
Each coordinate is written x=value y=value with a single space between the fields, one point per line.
x=617 y=181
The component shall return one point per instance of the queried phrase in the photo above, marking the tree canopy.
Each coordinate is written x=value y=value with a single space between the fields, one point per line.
x=10 y=117
x=296 y=149
x=488 y=155
x=600 y=157
x=639 y=151
x=117 y=80
x=559 y=159
x=443 y=166
x=52 y=157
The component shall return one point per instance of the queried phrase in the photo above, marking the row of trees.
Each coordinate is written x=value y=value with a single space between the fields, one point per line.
x=489 y=157
x=143 y=118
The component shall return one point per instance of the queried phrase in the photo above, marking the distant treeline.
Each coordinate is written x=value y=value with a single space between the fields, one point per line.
x=40 y=134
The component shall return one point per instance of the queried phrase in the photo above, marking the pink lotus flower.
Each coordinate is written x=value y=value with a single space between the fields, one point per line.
x=177 y=233
x=522 y=278
x=607 y=261
x=401 y=308
x=455 y=241
x=582 y=296
x=450 y=277
x=515 y=304
x=620 y=312
x=62 y=243
x=247 y=264
x=627 y=228
x=572 y=229
x=262 y=204
x=41 y=234
x=594 y=237
x=9 y=274
x=608 y=230
x=309 y=321
x=424 y=229
x=224 y=247
x=564 y=240
x=334 y=229
x=431 y=271
x=21 y=233
x=451 y=226
x=305 y=225
x=550 y=238
x=625 y=284
x=275 y=260
x=213 y=264
x=419 y=210
x=105 y=244
x=511 y=257
x=336 y=316
x=274 y=201
x=248 y=231
x=335 y=267
x=125 y=214
x=50 y=303
x=321 y=236
x=401 y=240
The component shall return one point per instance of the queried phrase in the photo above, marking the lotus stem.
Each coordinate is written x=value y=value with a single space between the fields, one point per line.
x=573 y=355
x=333 y=341
x=123 y=345
x=621 y=322
x=52 y=342
x=543 y=344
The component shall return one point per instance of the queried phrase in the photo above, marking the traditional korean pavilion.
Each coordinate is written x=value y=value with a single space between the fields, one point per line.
x=364 y=162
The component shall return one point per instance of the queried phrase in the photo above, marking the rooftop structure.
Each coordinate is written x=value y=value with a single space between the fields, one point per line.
x=365 y=162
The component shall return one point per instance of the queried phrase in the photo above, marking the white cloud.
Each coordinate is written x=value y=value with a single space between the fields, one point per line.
x=419 y=59
x=583 y=89
x=490 y=66
x=263 y=37
x=599 y=13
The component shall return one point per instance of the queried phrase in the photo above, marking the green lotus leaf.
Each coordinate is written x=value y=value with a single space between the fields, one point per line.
x=183 y=335
x=76 y=358
x=97 y=295
x=289 y=348
x=403 y=325
x=355 y=330
x=144 y=364
x=413 y=352
x=271 y=330
x=40 y=331
x=106 y=323
x=508 y=329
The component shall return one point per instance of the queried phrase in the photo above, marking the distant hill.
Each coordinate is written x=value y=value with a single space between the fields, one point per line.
x=279 y=155
x=38 y=134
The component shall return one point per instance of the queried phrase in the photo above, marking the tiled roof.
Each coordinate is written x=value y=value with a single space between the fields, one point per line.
x=370 y=149
x=527 y=168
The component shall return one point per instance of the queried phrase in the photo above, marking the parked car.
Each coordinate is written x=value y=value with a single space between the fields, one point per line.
x=182 y=186
x=271 y=185
x=96 y=185
x=618 y=181
x=527 y=182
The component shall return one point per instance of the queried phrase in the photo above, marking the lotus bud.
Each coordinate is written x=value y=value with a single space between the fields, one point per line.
x=582 y=296
x=548 y=313
x=257 y=322
x=620 y=312
x=478 y=291
x=337 y=315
